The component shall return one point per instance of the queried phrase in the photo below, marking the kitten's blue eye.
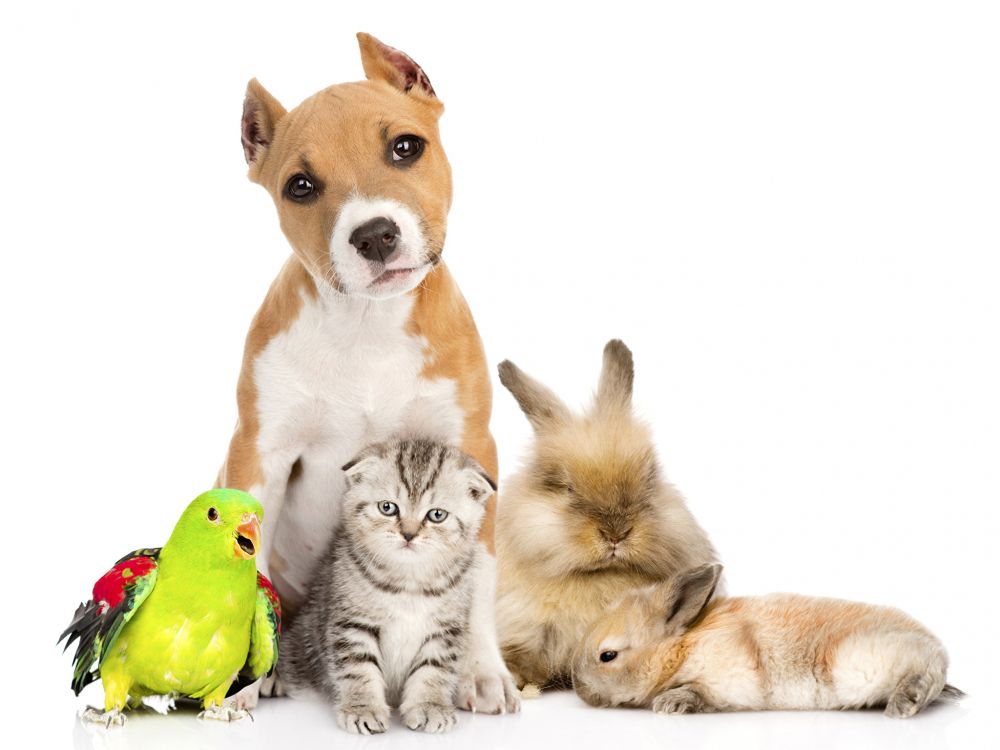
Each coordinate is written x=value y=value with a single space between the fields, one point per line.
x=388 y=509
x=436 y=515
x=607 y=656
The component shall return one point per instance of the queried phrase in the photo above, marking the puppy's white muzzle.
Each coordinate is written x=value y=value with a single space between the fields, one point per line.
x=377 y=248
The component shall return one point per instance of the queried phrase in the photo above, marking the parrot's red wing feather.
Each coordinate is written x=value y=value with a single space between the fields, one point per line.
x=264 y=585
x=117 y=594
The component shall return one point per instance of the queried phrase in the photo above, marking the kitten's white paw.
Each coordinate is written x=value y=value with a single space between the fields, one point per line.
x=488 y=692
x=363 y=719
x=224 y=713
x=430 y=717
x=112 y=718
x=246 y=699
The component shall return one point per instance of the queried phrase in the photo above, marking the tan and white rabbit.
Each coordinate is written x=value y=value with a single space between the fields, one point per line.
x=588 y=517
x=667 y=647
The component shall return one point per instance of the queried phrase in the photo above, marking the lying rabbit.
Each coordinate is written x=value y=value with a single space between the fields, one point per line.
x=668 y=648
x=588 y=517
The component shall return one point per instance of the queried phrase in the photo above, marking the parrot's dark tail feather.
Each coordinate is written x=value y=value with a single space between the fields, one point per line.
x=85 y=628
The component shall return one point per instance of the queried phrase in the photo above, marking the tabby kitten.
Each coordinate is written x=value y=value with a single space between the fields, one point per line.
x=387 y=613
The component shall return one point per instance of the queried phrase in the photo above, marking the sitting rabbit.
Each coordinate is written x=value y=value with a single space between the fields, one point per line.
x=667 y=647
x=588 y=517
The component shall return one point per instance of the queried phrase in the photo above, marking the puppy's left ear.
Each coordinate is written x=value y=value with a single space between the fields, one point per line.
x=385 y=63
x=261 y=113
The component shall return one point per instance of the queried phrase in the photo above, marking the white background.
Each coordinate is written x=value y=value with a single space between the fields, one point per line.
x=788 y=210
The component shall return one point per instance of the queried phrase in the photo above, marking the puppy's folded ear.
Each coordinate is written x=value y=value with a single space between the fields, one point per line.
x=385 y=63
x=261 y=113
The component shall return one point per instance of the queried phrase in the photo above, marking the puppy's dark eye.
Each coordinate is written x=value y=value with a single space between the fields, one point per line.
x=607 y=656
x=406 y=147
x=436 y=515
x=388 y=508
x=300 y=188
x=213 y=514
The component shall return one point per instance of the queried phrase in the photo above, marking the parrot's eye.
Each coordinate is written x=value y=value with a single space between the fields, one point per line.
x=213 y=515
x=388 y=508
x=436 y=515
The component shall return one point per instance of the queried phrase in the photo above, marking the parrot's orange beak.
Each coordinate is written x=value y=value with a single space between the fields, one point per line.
x=248 y=536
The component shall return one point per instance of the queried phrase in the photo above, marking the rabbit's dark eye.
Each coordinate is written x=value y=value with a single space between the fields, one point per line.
x=607 y=656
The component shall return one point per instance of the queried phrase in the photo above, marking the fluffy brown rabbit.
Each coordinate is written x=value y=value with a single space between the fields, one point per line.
x=668 y=648
x=587 y=517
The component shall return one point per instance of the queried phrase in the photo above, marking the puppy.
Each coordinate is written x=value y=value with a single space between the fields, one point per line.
x=364 y=335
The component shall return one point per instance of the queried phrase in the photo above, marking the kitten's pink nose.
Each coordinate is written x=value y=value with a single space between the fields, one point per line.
x=407 y=535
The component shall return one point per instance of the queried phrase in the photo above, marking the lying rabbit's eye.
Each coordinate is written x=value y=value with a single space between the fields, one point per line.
x=607 y=656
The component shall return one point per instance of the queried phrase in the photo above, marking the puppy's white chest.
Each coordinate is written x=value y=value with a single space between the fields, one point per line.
x=347 y=373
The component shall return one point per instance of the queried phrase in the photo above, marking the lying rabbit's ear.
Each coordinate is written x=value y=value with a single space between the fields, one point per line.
x=614 y=391
x=686 y=595
x=542 y=407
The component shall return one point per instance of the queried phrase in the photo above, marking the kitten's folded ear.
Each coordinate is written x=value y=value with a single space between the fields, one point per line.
x=362 y=463
x=481 y=484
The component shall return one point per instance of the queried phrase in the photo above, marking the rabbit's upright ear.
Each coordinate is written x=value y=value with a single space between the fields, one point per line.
x=614 y=391
x=686 y=595
x=540 y=405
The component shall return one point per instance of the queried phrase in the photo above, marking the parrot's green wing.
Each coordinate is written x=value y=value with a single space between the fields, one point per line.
x=116 y=597
x=265 y=630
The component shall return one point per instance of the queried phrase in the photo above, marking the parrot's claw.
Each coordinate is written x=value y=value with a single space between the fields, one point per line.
x=112 y=718
x=225 y=713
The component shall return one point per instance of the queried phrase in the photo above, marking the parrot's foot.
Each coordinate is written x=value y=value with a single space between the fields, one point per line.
x=112 y=718
x=225 y=713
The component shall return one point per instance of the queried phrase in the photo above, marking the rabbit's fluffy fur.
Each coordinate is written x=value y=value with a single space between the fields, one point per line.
x=667 y=648
x=587 y=517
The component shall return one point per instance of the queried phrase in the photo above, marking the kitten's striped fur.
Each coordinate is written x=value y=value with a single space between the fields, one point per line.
x=386 y=618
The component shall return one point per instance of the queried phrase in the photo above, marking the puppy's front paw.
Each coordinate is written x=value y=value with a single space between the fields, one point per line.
x=363 y=719
x=430 y=717
x=680 y=700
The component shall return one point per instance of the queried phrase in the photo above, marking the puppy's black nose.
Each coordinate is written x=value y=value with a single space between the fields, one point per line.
x=376 y=239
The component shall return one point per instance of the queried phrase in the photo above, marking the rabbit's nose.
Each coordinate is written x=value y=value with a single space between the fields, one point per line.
x=616 y=536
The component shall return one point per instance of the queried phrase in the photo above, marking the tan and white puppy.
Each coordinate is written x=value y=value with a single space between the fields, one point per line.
x=364 y=335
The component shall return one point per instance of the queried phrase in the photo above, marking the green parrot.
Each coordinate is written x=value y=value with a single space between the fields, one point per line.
x=183 y=620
